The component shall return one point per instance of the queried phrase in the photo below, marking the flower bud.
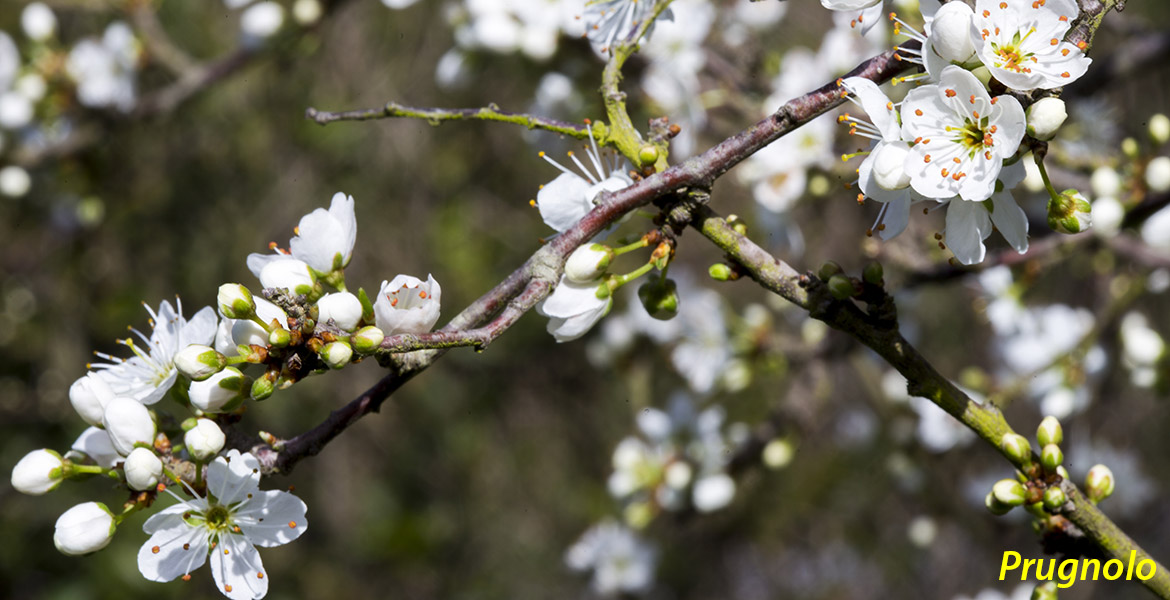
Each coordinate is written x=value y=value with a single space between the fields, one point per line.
x=407 y=305
x=829 y=269
x=1054 y=498
x=219 y=393
x=1069 y=213
x=336 y=354
x=249 y=333
x=128 y=423
x=1158 y=174
x=889 y=166
x=1016 y=447
x=873 y=273
x=235 y=301
x=1044 y=591
x=85 y=528
x=660 y=297
x=367 y=340
x=648 y=155
x=995 y=506
x=1062 y=472
x=262 y=388
x=1045 y=117
x=950 y=35
x=588 y=262
x=1130 y=148
x=1160 y=128
x=343 y=307
x=1049 y=431
x=279 y=338
x=720 y=272
x=199 y=362
x=89 y=396
x=713 y=492
x=143 y=469
x=288 y=273
x=40 y=471
x=1051 y=457
x=1099 y=483
x=204 y=440
x=1009 y=492
x=841 y=287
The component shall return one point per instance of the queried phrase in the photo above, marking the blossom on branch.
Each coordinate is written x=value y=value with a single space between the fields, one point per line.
x=1022 y=43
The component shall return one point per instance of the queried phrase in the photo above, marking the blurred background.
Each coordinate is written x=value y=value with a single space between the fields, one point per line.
x=474 y=479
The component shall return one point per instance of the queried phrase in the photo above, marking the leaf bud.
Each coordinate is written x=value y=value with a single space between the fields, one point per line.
x=841 y=287
x=720 y=272
x=235 y=301
x=829 y=269
x=1049 y=431
x=660 y=297
x=873 y=273
x=263 y=387
x=648 y=155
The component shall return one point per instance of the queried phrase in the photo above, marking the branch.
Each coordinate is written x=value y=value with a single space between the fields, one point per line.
x=881 y=335
x=534 y=280
x=438 y=116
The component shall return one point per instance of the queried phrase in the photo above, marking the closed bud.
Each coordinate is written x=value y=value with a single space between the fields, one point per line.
x=219 y=393
x=873 y=273
x=995 y=506
x=841 y=287
x=40 y=471
x=588 y=263
x=1016 y=447
x=1044 y=591
x=1054 y=498
x=128 y=423
x=279 y=338
x=89 y=396
x=199 y=362
x=343 y=308
x=1158 y=174
x=829 y=269
x=1069 y=213
x=1063 y=472
x=235 y=301
x=1160 y=128
x=1049 y=431
x=950 y=35
x=336 y=354
x=367 y=340
x=660 y=297
x=85 y=528
x=889 y=166
x=263 y=387
x=648 y=155
x=1051 y=457
x=1045 y=117
x=720 y=272
x=1130 y=148
x=1099 y=483
x=143 y=469
x=205 y=440
x=288 y=273
x=1009 y=492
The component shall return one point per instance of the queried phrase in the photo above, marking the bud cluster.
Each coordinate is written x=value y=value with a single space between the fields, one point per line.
x=1037 y=485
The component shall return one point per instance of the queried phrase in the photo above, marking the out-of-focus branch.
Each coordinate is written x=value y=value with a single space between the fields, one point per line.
x=158 y=43
x=438 y=116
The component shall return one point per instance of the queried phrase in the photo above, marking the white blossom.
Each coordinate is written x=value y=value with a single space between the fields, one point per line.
x=325 y=238
x=262 y=20
x=105 y=70
x=38 y=21
x=619 y=559
x=225 y=527
x=95 y=444
x=573 y=308
x=1022 y=43
x=407 y=305
x=563 y=201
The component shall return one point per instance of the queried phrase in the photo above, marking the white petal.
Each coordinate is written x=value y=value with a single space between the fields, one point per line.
x=1010 y=220
x=272 y=518
x=968 y=224
x=235 y=564
x=231 y=478
x=562 y=202
x=200 y=329
x=572 y=298
x=897 y=218
x=181 y=549
x=875 y=103
x=95 y=443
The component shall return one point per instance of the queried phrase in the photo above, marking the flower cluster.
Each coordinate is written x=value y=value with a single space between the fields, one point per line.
x=304 y=322
x=953 y=143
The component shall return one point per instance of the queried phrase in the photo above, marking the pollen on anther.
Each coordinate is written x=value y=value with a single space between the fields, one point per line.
x=1063 y=19
x=259 y=575
x=951 y=93
x=971 y=99
x=227 y=588
x=957 y=160
x=1065 y=75
x=987 y=155
x=226 y=552
x=986 y=13
x=422 y=295
x=186 y=546
x=155 y=550
x=187 y=577
x=918 y=111
x=292 y=524
x=1054 y=41
x=1064 y=52
x=917 y=139
x=926 y=158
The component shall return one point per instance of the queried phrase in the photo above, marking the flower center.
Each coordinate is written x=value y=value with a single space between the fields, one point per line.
x=975 y=136
x=218 y=517
x=1014 y=57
